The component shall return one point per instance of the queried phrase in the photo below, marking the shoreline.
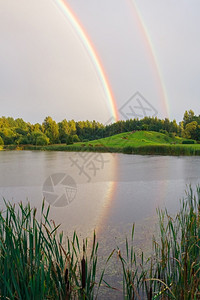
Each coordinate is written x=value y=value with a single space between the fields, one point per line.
x=165 y=149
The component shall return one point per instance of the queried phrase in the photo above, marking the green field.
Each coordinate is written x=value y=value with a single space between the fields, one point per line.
x=139 y=142
x=138 y=138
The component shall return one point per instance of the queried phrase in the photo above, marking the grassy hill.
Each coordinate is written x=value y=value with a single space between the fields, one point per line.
x=137 y=138
x=139 y=142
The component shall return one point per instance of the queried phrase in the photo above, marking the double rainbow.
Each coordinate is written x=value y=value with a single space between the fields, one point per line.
x=66 y=10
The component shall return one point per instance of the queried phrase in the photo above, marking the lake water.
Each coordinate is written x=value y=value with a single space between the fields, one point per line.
x=105 y=192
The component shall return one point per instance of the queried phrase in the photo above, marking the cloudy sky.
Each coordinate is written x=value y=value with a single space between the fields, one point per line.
x=150 y=47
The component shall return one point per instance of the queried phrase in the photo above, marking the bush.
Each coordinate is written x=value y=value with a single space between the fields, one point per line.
x=188 y=142
x=172 y=134
x=75 y=138
x=69 y=140
x=23 y=140
x=42 y=140
x=128 y=150
x=163 y=131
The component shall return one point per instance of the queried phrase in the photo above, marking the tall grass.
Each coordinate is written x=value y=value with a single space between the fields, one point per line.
x=189 y=150
x=162 y=150
x=151 y=149
x=173 y=270
x=74 y=147
x=36 y=263
x=179 y=248
x=31 y=263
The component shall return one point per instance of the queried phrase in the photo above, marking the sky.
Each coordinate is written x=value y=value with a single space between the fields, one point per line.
x=148 y=51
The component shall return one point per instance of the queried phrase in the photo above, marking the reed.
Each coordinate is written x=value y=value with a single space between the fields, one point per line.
x=36 y=262
x=175 y=150
x=173 y=270
x=31 y=264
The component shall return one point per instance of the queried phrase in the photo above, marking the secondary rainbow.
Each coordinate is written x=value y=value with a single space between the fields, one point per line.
x=87 y=43
x=151 y=51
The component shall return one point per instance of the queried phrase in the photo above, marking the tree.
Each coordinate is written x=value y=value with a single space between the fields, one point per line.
x=1 y=141
x=19 y=123
x=69 y=140
x=173 y=127
x=42 y=140
x=51 y=130
x=72 y=126
x=8 y=136
x=23 y=140
x=190 y=130
x=181 y=129
x=64 y=131
x=75 y=138
x=188 y=117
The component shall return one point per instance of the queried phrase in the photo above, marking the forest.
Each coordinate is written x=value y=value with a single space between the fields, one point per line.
x=18 y=132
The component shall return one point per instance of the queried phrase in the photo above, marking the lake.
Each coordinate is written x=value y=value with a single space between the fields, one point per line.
x=106 y=192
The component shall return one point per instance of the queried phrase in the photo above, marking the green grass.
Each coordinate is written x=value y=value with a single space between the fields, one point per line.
x=138 y=138
x=173 y=269
x=35 y=263
x=139 y=142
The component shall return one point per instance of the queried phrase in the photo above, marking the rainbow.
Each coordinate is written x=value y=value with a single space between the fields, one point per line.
x=151 y=51
x=87 y=43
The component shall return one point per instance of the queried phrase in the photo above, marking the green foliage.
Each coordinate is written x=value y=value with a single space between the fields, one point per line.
x=173 y=269
x=64 y=131
x=188 y=117
x=42 y=140
x=34 y=264
x=188 y=142
x=140 y=142
x=75 y=138
x=1 y=141
x=38 y=138
x=8 y=135
x=136 y=138
x=163 y=131
x=190 y=129
x=19 y=132
x=23 y=140
x=69 y=140
x=51 y=130
x=30 y=255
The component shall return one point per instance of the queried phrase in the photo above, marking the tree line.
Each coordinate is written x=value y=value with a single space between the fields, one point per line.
x=19 y=132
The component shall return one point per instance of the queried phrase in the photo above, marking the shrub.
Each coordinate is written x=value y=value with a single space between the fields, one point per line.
x=42 y=140
x=128 y=150
x=172 y=134
x=23 y=140
x=163 y=131
x=75 y=138
x=188 y=142
x=69 y=140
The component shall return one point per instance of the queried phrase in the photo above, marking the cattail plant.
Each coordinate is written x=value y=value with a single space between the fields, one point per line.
x=35 y=264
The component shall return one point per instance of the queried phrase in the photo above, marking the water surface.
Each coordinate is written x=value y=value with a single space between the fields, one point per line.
x=112 y=191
